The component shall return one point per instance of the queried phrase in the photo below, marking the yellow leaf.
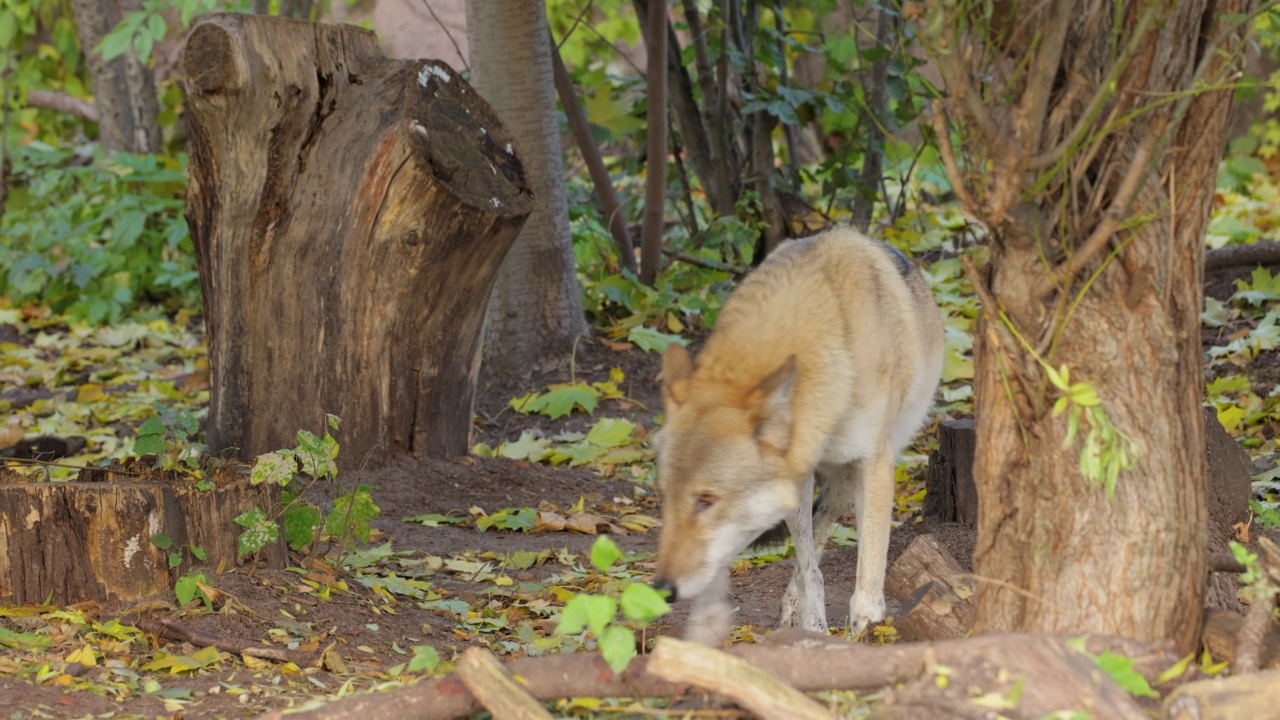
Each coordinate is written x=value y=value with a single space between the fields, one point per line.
x=673 y=323
x=503 y=580
x=89 y=393
x=616 y=375
x=85 y=656
x=1230 y=417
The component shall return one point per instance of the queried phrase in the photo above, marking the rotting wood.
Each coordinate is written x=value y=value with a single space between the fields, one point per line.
x=489 y=683
x=681 y=661
x=1255 y=695
x=349 y=215
x=809 y=663
x=935 y=594
x=1222 y=633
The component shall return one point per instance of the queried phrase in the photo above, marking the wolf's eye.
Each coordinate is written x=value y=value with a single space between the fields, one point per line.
x=705 y=501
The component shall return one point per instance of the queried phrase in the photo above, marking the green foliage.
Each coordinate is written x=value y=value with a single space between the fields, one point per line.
x=640 y=605
x=258 y=531
x=351 y=516
x=188 y=588
x=611 y=441
x=95 y=240
x=164 y=542
x=425 y=659
x=168 y=437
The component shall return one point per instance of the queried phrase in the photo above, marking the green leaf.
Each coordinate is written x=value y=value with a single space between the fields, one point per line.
x=274 y=467
x=650 y=340
x=611 y=432
x=162 y=541
x=617 y=647
x=425 y=659
x=528 y=447
x=116 y=42
x=509 y=519
x=316 y=454
x=149 y=445
x=199 y=553
x=560 y=400
x=642 y=604
x=8 y=28
x=436 y=519
x=300 y=521
x=352 y=513
x=1120 y=668
x=258 y=531
x=23 y=641
x=186 y=589
x=604 y=552
x=587 y=610
x=175 y=664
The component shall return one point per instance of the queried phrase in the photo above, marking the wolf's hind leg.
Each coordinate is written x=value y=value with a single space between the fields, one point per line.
x=804 y=603
x=711 y=614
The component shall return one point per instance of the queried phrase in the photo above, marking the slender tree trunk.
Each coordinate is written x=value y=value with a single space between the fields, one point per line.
x=1096 y=263
x=536 y=311
x=124 y=90
x=656 y=146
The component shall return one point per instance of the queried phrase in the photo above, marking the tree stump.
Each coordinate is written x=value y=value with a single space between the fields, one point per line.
x=934 y=592
x=951 y=496
x=91 y=539
x=349 y=214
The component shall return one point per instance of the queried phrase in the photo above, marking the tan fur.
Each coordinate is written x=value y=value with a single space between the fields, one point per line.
x=826 y=360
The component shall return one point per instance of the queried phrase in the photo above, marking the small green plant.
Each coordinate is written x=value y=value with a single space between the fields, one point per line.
x=640 y=604
x=1119 y=667
x=168 y=436
x=191 y=586
x=314 y=457
x=166 y=543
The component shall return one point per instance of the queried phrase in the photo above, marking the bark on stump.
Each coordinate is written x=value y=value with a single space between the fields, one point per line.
x=349 y=214
x=91 y=539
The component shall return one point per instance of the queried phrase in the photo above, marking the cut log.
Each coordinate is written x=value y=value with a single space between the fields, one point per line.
x=1222 y=633
x=91 y=539
x=933 y=591
x=1050 y=676
x=489 y=683
x=349 y=214
x=951 y=495
x=1255 y=695
x=681 y=661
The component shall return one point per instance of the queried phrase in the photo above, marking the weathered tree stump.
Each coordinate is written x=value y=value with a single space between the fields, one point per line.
x=934 y=592
x=91 y=539
x=349 y=214
x=1254 y=695
x=951 y=495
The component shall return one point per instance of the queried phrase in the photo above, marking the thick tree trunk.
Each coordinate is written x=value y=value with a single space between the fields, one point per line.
x=349 y=215
x=536 y=310
x=124 y=90
x=1060 y=555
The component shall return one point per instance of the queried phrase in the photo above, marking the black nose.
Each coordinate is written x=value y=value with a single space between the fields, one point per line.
x=665 y=585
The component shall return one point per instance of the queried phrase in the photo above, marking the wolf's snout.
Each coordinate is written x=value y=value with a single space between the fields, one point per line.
x=663 y=584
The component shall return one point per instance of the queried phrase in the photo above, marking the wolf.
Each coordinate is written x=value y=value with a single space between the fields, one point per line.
x=825 y=361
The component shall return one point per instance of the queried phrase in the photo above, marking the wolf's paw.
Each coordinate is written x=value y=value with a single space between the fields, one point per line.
x=804 y=609
x=709 y=623
x=790 y=601
x=863 y=611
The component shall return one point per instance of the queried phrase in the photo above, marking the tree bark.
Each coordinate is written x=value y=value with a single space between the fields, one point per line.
x=349 y=214
x=1119 y=306
x=536 y=311
x=91 y=539
x=124 y=89
x=935 y=594
x=655 y=188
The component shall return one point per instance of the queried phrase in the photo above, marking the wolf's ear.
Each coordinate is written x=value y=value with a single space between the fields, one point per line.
x=770 y=404
x=677 y=370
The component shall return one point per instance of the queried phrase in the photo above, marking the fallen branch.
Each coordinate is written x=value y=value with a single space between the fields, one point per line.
x=1263 y=252
x=169 y=629
x=733 y=270
x=681 y=661
x=1257 y=623
x=1255 y=695
x=1221 y=637
x=1052 y=676
x=483 y=675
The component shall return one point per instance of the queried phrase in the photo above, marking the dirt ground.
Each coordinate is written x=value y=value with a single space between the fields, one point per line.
x=371 y=632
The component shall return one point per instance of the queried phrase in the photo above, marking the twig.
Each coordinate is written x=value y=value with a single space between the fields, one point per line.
x=733 y=270
x=585 y=9
x=1111 y=218
x=949 y=159
x=62 y=102
x=448 y=34
x=170 y=629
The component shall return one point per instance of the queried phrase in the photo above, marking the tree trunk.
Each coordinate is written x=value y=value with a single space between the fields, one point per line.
x=349 y=214
x=536 y=310
x=124 y=90
x=1118 y=303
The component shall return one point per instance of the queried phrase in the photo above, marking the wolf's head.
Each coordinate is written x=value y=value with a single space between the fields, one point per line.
x=722 y=470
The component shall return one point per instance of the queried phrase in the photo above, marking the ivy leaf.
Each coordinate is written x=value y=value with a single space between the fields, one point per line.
x=258 y=531
x=1120 y=668
x=274 y=467
x=560 y=400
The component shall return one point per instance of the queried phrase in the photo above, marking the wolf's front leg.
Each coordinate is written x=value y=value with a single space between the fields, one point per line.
x=804 y=603
x=875 y=517
x=711 y=614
